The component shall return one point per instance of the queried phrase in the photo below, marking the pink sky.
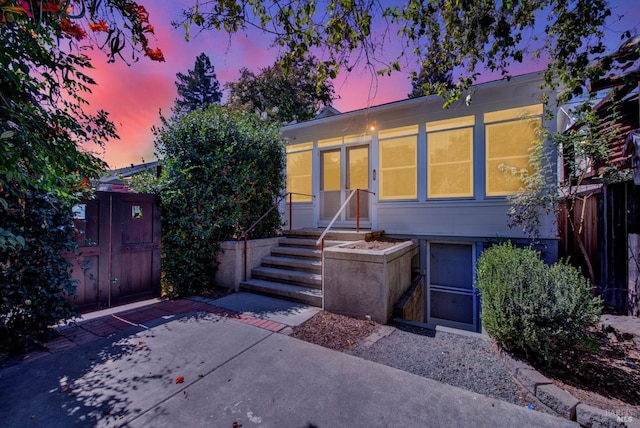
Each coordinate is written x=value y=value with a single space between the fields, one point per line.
x=134 y=94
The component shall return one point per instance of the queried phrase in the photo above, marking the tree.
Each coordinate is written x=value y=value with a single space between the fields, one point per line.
x=429 y=81
x=199 y=88
x=282 y=95
x=222 y=170
x=474 y=35
x=43 y=124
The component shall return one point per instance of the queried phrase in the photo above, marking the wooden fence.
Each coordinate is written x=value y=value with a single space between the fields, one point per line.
x=610 y=230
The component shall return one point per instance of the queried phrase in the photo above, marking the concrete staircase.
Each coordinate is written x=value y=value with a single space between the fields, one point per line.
x=293 y=270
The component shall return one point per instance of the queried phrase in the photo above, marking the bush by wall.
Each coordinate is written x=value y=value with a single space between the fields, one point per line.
x=221 y=171
x=530 y=307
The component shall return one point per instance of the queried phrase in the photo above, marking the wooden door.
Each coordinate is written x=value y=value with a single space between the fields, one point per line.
x=119 y=244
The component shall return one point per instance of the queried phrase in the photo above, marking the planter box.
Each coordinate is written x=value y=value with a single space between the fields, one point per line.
x=360 y=282
x=231 y=262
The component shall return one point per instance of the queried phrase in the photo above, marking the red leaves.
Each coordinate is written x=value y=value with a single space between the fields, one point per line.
x=99 y=26
x=154 y=54
x=72 y=29
x=180 y=379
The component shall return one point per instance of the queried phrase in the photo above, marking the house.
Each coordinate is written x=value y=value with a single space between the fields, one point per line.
x=610 y=209
x=435 y=176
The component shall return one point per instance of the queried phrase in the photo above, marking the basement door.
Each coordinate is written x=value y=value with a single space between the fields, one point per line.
x=343 y=170
x=451 y=298
x=119 y=242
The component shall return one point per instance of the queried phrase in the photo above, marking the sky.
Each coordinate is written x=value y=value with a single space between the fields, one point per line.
x=134 y=94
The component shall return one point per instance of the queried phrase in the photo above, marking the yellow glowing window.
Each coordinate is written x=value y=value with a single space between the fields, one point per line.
x=299 y=175
x=299 y=147
x=513 y=113
x=450 y=157
x=331 y=170
x=450 y=166
x=398 y=168
x=330 y=142
x=397 y=132
x=508 y=144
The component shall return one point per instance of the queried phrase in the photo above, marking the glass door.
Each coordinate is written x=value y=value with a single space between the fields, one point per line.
x=343 y=170
x=358 y=178
x=331 y=193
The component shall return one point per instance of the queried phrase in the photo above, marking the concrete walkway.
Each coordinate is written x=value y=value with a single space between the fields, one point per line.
x=208 y=366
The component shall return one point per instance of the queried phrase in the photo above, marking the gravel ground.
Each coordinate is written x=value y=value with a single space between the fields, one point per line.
x=465 y=362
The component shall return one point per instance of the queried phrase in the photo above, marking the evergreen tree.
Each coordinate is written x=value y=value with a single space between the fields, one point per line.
x=199 y=87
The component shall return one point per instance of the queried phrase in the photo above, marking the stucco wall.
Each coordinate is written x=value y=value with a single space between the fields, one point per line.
x=358 y=283
x=231 y=261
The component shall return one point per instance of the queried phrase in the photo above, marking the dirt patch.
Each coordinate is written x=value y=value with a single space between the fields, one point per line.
x=606 y=376
x=377 y=244
x=334 y=331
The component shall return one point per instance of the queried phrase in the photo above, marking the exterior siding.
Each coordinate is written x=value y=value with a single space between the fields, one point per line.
x=479 y=216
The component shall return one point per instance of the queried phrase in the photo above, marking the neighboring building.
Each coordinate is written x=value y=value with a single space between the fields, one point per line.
x=436 y=178
x=610 y=211
x=116 y=180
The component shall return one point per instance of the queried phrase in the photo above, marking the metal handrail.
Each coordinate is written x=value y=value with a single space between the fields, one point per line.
x=245 y=235
x=344 y=205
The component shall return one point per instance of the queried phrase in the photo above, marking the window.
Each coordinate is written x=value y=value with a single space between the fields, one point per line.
x=299 y=171
x=510 y=135
x=398 y=163
x=450 y=158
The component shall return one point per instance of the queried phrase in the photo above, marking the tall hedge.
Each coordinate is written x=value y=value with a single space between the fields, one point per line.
x=221 y=171
x=530 y=307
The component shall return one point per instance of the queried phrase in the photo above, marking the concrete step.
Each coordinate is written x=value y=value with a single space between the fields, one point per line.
x=306 y=279
x=307 y=242
x=306 y=295
x=335 y=234
x=291 y=263
x=297 y=252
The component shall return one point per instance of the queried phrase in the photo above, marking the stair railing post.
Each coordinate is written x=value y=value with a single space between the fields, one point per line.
x=357 y=210
x=290 y=210
x=244 y=256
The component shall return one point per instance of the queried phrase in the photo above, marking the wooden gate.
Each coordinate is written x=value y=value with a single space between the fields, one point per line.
x=119 y=244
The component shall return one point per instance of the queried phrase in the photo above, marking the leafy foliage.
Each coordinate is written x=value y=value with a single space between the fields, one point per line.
x=585 y=155
x=279 y=94
x=34 y=277
x=530 y=307
x=199 y=88
x=471 y=35
x=428 y=81
x=43 y=124
x=222 y=170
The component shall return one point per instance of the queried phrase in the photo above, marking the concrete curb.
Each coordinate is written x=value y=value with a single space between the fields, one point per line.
x=562 y=402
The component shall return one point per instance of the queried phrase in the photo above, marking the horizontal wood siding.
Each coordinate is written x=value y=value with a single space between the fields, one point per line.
x=482 y=219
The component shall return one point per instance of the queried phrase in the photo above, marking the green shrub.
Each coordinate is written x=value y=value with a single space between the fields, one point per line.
x=531 y=307
x=35 y=277
x=221 y=170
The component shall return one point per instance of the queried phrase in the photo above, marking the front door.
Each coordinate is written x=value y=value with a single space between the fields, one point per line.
x=343 y=170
